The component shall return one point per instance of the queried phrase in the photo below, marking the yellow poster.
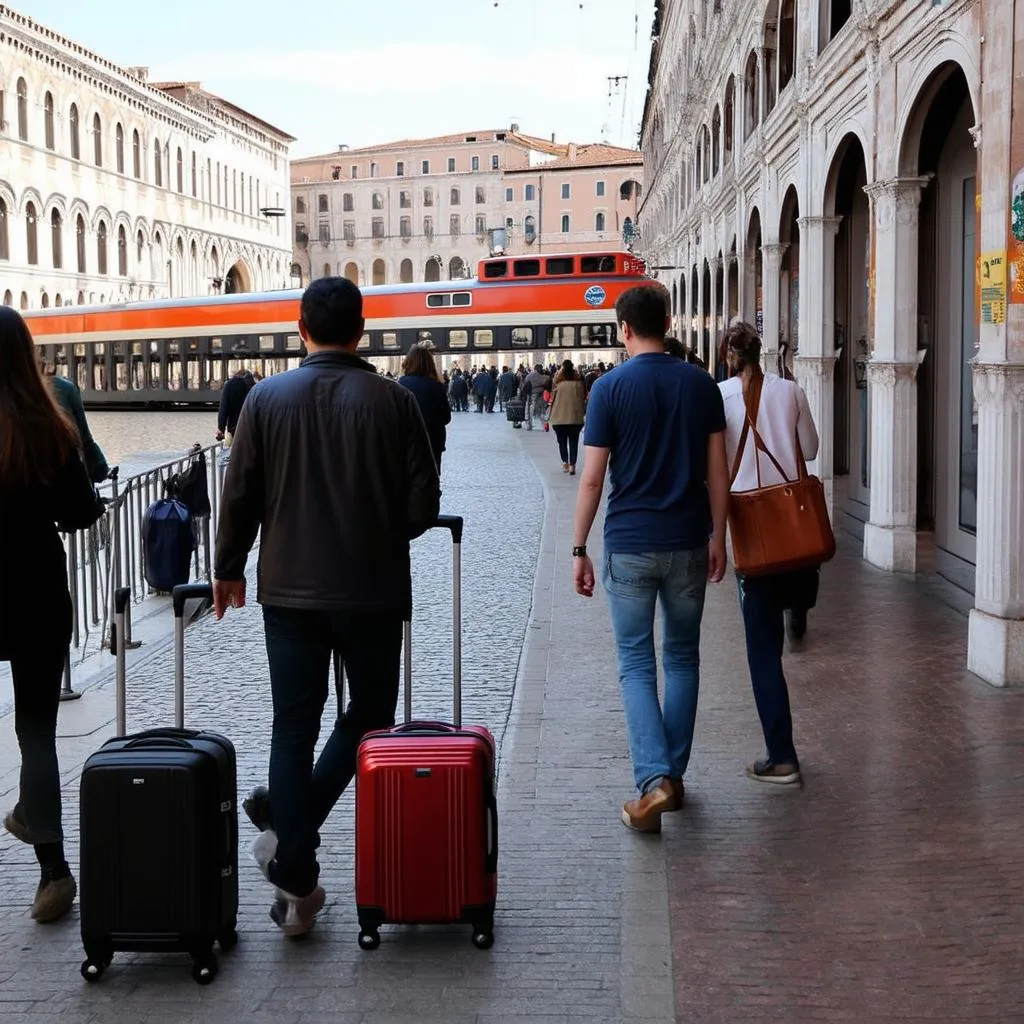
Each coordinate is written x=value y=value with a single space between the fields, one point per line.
x=992 y=281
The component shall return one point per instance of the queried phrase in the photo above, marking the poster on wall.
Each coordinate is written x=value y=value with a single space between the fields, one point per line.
x=992 y=285
x=759 y=313
x=1015 y=255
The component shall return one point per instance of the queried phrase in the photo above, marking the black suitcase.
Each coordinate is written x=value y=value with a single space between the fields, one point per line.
x=515 y=410
x=159 y=832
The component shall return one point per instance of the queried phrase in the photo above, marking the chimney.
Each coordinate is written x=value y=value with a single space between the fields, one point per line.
x=572 y=150
x=515 y=127
x=552 y=136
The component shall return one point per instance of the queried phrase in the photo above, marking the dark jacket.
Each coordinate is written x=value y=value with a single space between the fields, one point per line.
x=35 y=608
x=232 y=398
x=434 y=406
x=507 y=384
x=70 y=400
x=332 y=460
x=483 y=385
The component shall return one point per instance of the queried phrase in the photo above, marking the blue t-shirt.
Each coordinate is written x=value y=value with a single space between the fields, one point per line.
x=655 y=413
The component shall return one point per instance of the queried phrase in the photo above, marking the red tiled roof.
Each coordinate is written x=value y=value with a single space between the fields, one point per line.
x=179 y=91
x=596 y=154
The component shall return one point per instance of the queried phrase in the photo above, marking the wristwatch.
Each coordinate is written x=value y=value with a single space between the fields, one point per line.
x=579 y=551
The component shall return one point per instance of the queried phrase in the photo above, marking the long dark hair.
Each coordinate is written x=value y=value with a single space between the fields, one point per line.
x=420 y=362
x=567 y=372
x=744 y=343
x=36 y=437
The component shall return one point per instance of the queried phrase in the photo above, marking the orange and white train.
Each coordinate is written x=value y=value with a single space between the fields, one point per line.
x=174 y=352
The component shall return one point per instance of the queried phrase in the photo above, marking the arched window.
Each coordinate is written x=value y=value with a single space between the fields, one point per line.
x=455 y=198
x=101 y=248
x=181 y=171
x=787 y=43
x=627 y=231
x=241 y=192
x=8 y=298
x=80 y=242
x=565 y=223
x=22 y=110
x=530 y=229
x=599 y=222
x=56 y=238
x=716 y=132
x=45 y=301
x=48 y=133
x=136 y=154
x=31 y=234
x=5 y=249
x=140 y=245
x=73 y=133
x=195 y=181
x=751 y=98
x=122 y=252
x=728 y=122
x=119 y=148
x=97 y=140
x=24 y=300
x=405 y=272
x=327 y=270
x=57 y=300
x=158 y=170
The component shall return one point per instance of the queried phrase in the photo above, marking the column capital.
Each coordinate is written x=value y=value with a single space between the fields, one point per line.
x=716 y=264
x=730 y=258
x=829 y=225
x=995 y=382
x=896 y=199
x=889 y=374
x=819 y=366
x=774 y=250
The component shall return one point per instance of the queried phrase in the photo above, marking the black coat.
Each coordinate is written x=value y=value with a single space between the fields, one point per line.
x=435 y=407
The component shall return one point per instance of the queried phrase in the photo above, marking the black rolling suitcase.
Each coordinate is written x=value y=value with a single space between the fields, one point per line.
x=159 y=832
x=515 y=411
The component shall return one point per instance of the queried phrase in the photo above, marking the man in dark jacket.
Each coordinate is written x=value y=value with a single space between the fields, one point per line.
x=506 y=387
x=70 y=400
x=232 y=398
x=332 y=462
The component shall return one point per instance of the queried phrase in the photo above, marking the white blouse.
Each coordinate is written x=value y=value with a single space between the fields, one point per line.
x=782 y=417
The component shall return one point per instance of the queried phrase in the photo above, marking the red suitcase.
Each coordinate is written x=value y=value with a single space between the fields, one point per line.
x=426 y=815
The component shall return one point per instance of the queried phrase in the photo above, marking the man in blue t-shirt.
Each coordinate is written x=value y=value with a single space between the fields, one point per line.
x=659 y=424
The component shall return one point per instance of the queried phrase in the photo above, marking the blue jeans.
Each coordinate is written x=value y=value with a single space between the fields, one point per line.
x=762 y=600
x=300 y=644
x=659 y=741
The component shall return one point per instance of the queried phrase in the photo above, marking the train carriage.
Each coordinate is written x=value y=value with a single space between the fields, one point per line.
x=179 y=352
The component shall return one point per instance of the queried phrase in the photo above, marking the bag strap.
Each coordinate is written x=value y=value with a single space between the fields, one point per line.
x=752 y=401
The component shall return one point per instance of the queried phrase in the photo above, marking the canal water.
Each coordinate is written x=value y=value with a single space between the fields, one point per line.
x=139 y=440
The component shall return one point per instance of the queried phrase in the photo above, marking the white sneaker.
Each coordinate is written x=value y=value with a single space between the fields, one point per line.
x=296 y=915
x=264 y=850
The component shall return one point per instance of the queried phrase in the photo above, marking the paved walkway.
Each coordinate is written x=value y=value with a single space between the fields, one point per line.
x=887 y=888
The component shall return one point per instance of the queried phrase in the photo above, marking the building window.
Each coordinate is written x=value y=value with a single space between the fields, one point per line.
x=599 y=222
x=140 y=244
x=349 y=231
x=451 y=165
x=600 y=189
x=377 y=227
x=195 y=182
x=136 y=154
x=180 y=167
x=404 y=200
x=510 y=195
x=158 y=171
x=400 y=169
x=322 y=205
x=428 y=228
x=378 y=201
x=122 y=252
x=73 y=133
x=97 y=140
x=481 y=227
x=495 y=162
x=428 y=197
x=474 y=164
x=5 y=248
x=80 y=243
x=51 y=142
x=301 y=238
x=22 y=110
x=751 y=98
x=530 y=193
x=455 y=198
x=324 y=232
x=566 y=190
x=234 y=190
x=56 y=239
x=353 y=172
x=373 y=169
x=31 y=235
x=530 y=229
x=565 y=223
x=455 y=225
x=300 y=204
x=119 y=148
x=347 y=203
x=405 y=227
x=425 y=167
x=481 y=195
x=101 y=248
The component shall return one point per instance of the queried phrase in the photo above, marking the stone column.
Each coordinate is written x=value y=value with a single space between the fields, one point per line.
x=715 y=266
x=890 y=536
x=771 y=269
x=727 y=263
x=995 y=648
x=699 y=340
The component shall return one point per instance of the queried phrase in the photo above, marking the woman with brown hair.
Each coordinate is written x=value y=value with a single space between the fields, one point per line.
x=568 y=411
x=44 y=488
x=419 y=375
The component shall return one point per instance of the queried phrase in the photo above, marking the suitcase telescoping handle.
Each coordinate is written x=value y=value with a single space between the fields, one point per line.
x=454 y=525
x=121 y=598
x=181 y=594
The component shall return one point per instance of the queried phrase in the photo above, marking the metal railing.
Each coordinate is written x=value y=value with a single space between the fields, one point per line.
x=109 y=554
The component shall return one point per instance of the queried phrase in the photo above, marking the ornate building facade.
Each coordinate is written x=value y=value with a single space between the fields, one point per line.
x=113 y=188
x=839 y=172
x=428 y=209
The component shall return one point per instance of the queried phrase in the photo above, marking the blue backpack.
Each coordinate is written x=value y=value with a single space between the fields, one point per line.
x=168 y=541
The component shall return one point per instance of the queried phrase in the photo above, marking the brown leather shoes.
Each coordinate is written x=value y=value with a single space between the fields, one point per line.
x=644 y=814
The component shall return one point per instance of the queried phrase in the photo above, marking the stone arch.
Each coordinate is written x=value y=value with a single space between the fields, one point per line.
x=433 y=268
x=122 y=220
x=947 y=58
x=456 y=268
x=788 y=213
x=239 y=277
x=101 y=214
x=836 y=158
x=405 y=273
x=79 y=208
x=55 y=201
x=379 y=272
x=352 y=272
x=30 y=195
x=754 y=229
x=141 y=225
x=8 y=196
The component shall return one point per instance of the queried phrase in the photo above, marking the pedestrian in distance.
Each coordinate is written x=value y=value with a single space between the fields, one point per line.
x=568 y=412
x=657 y=423
x=333 y=467
x=44 y=488
x=419 y=375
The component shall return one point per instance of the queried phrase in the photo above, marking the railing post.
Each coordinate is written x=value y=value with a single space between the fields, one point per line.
x=66 y=693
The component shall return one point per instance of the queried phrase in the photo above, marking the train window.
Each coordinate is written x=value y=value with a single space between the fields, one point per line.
x=216 y=344
x=597 y=265
x=598 y=336
x=561 y=336
x=266 y=343
x=560 y=265
x=193 y=345
x=389 y=339
x=293 y=343
x=174 y=346
x=458 y=339
x=527 y=268
x=499 y=269
x=364 y=342
x=522 y=337
x=462 y=299
x=483 y=339
x=439 y=299
x=80 y=350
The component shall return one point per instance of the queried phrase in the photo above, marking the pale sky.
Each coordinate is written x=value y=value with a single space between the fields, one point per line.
x=358 y=72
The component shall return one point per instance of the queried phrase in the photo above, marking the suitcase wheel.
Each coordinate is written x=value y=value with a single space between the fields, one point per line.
x=483 y=940
x=204 y=969
x=369 y=940
x=92 y=970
